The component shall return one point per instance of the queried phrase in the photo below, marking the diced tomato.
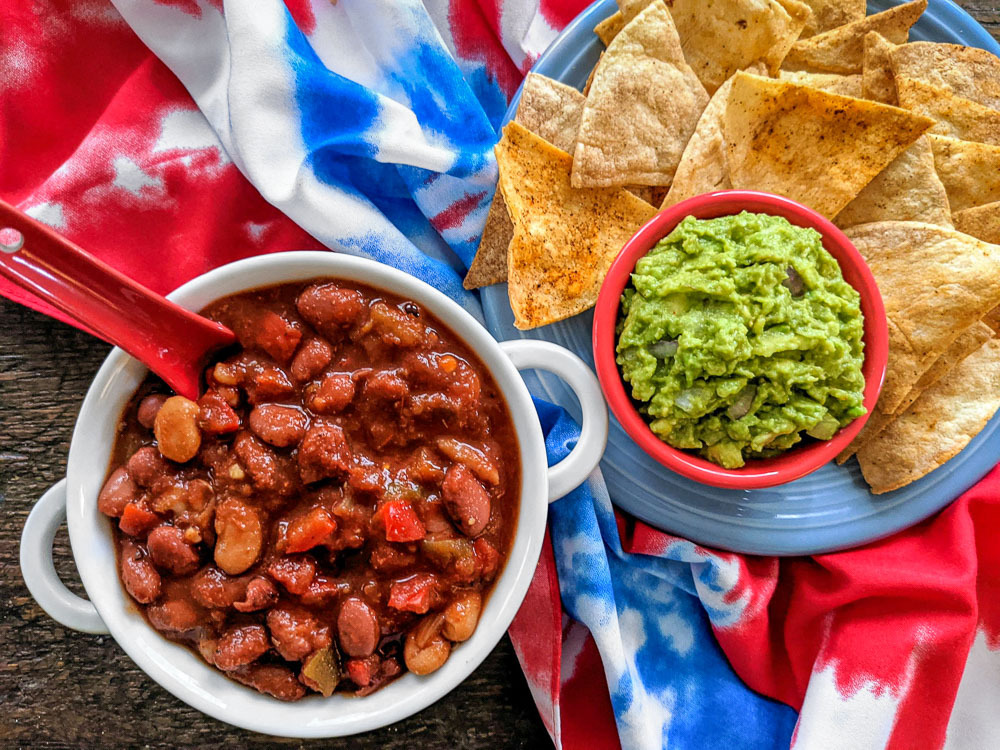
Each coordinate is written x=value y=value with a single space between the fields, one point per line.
x=137 y=520
x=488 y=557
x=277 y=336
x=360 y=671
x=215 y=415
x=413 y=594
x=305 y=532
x=402 y=524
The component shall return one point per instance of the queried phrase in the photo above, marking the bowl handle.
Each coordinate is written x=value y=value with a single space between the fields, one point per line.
x=568 y=474
x=39 y=573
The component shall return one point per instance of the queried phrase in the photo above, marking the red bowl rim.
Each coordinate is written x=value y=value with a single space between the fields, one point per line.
x=757 y=473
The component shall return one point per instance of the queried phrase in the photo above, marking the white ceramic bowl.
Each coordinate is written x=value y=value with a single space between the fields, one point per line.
x=178 y=669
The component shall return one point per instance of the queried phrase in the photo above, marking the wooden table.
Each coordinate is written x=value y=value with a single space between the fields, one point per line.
x=60 y=688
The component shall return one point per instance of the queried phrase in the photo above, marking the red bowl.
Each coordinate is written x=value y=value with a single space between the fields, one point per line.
x=798 y=461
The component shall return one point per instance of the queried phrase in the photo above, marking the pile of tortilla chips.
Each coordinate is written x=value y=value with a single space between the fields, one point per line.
x=897 y=142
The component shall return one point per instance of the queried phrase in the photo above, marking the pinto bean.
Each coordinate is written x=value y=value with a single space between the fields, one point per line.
x=240 y=536
x=176 y=429
x=240 y=646
x=117 y=492
x=357 y=628
x=141 y=579
x=466 y=500
x=260 y=594
x=278 y=425
x=170 y=551
x=462 y=616
x=149 y=407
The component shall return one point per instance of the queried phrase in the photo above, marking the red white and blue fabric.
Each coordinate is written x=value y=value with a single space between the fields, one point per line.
x=172 y=136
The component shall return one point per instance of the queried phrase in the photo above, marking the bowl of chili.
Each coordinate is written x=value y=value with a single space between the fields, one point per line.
x=362 y=473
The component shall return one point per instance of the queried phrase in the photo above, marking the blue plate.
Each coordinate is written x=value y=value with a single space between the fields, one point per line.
x=828 y=510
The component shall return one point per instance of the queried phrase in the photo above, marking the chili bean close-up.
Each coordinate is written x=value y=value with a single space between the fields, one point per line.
x=334 y=509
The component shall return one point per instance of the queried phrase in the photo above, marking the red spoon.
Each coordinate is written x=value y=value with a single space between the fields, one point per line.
x=171 y=341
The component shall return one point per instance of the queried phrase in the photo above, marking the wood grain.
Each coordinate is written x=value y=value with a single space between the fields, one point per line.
x=63 y=689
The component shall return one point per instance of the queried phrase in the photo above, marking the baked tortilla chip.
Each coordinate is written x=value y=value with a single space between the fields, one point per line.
x=907 y=190
x=608 y=29
x=938 y=425
x=642 y=107
x=841 y=50
x=982 y=222
x=970 y=340
x=817 y=148
x=834 y=83
x=829 y=14
x=992 y=319
x=968 y=72
x=935 y=283
x=552 y=110
x=878 y=82
x=564 y=239
x=955 y=116
x=970 y=172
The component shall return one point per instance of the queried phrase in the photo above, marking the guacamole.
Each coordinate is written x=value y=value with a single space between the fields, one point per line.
x=739 y=336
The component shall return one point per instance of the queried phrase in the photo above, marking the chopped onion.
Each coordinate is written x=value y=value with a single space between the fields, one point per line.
x=794 y=282
x=663 y=349
x=741 y=406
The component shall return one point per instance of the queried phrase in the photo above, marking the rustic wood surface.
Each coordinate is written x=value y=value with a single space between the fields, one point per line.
x=60 y=688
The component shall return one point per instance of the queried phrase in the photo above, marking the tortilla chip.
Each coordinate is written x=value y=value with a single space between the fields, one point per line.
x=906 y=190
x=935 y=283
x=968 y=72
x=833 y=83
x=841 y=50
x=724 y=36
x=968 y=342
x=982 y=222
x=829 y=14
x=992 y=319
x=970 y=172
x=642 y=107
x=565 y=239
x=939 y=425
x=817 y=148
x=956 y=117
x=590 y=76
x=608 y=29
x=552 y=110
x=877 y=79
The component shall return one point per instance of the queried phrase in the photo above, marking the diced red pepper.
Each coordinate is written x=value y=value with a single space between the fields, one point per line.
x=309 y=530
x=215 y=415
x=402 y=524
x=360 y=671
x=413 y=594
x=137 y=520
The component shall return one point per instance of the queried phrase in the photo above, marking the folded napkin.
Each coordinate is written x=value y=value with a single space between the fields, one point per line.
x=170 y=137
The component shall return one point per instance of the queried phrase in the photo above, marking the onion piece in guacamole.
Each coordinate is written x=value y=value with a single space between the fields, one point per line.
x=739 y=337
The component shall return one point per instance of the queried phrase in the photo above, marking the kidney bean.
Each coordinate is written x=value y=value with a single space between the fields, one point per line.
x=426 y=659
x=462 y=615
x=149 y=407
x=465 y=499
x=176 y=428
x=240 y=646
x=213 y=589
x=117 y=492
x=239 y=536
x=357 y=628
x=324 y=453
x=267 y=470
x=260 y=594
x=330 y=308
x=296 y=633
x=169 y=550
x=334 y=393
x=294 y=573
x=278 y=425
x=173 y=615
x=141 y=579
x=272 y=679
x=311 y=359
x=146 y=465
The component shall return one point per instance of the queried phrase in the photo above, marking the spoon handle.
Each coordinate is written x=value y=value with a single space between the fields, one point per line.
x=170 y=340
